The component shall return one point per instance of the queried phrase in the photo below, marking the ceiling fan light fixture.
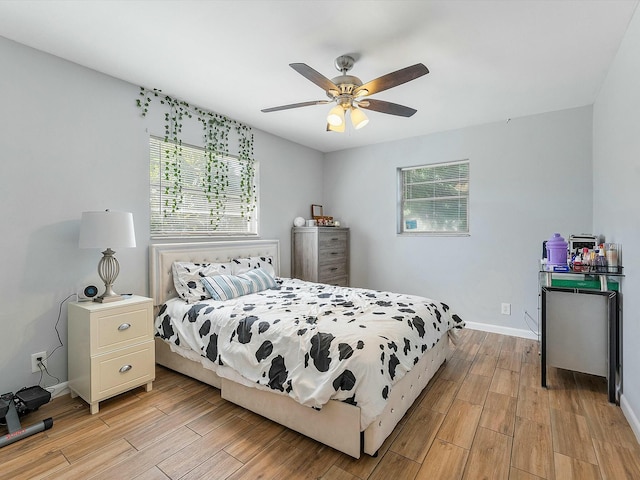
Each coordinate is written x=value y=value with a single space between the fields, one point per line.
x=338 y=128
x=358 y=118
x=336 y=116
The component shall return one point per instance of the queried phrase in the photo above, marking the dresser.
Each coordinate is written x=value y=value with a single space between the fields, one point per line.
x=321 y=254
x=110 y=348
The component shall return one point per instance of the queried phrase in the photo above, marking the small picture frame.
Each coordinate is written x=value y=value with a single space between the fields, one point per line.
x=316 y=211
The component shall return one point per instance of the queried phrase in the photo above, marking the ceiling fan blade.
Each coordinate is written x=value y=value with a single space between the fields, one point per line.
x=393 y=79
x=387 y=107
x=295 y=105
x=316 y=77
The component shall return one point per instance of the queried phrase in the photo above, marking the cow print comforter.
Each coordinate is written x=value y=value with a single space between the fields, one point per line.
x=312 y=342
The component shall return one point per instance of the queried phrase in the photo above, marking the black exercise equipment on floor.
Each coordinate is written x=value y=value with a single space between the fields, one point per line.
x=13 y=406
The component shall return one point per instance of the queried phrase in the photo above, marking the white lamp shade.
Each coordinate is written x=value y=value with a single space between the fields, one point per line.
x=336 y=116
x=358 y=118
x=339 y=128
x=107 y=230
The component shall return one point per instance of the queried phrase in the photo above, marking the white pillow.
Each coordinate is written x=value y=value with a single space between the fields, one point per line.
x=187 y=278
x=243 y=265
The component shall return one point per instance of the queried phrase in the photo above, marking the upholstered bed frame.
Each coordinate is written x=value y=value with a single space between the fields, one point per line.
x=337 y=424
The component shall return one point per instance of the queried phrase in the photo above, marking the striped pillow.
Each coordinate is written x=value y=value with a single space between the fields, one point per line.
x=259 y=279
x=226 y=287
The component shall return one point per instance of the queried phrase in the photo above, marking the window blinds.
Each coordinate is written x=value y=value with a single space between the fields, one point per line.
x=199 y=197
x=434 y=198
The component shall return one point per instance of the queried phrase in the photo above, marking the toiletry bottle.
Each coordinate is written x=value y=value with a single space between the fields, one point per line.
x=577 y=262
x=612 y=257
x=601 y=261
x=586 y=259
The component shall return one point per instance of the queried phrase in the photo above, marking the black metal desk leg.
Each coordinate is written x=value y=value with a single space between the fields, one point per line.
x=613 y=323
x=543 y=342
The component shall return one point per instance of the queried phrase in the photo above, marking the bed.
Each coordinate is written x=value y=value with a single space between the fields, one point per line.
x=334 y=408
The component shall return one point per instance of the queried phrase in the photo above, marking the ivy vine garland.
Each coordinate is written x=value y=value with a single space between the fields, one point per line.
x=216 y=129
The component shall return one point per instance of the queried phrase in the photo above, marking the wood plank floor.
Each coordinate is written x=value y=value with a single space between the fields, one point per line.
x=484 y=415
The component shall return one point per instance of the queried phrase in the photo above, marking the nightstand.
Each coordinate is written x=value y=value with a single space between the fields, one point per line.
x=110 y=348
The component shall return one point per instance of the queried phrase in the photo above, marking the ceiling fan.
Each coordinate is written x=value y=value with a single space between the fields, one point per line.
x=349 y=93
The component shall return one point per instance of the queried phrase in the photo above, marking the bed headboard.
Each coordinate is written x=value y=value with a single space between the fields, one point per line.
x=162 y=256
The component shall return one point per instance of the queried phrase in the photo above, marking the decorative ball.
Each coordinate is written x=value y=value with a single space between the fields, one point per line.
x=336 y=223
x=299 y=222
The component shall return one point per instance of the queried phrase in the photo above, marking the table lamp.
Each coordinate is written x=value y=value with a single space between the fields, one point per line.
x=107 y=229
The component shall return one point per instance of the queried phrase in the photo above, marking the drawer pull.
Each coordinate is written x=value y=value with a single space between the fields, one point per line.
x=334 y=269
x=125 y=368
x=124 y=327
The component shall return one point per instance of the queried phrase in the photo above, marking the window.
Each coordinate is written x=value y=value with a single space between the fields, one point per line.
x=434 y=199
x=203 y=196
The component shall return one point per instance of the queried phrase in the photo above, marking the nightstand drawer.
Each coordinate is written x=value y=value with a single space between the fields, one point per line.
x=124 y=369
x=122 y=328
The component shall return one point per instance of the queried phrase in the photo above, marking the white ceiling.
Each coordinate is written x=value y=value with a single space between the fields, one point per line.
x=488 y=60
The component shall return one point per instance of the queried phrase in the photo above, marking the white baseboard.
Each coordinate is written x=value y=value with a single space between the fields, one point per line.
x=512 y=332
x=631 y=416
x=58 y=389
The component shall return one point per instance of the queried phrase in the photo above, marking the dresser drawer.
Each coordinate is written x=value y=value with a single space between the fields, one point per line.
x=331 y=270
x=332 y=256
x=338 y=281
x=121 y=328
x=331 y=241
x=123 y=369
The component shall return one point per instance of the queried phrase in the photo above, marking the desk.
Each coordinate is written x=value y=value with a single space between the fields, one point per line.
x=609 y=334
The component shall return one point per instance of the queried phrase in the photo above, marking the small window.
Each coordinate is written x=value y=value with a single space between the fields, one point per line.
x=205 y=196
x=434 y=199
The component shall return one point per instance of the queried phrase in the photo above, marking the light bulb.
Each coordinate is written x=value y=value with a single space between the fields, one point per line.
x=336 y=116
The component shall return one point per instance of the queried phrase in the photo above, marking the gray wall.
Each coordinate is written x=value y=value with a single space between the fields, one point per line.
x=529 y=177
x=616 y=198
x=71 y=140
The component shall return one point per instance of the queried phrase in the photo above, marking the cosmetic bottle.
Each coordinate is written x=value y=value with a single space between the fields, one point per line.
x=601 y=261
x=612 y=257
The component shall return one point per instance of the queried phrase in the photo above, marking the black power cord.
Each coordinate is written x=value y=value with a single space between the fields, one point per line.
x=41 y=365
x=43 y=369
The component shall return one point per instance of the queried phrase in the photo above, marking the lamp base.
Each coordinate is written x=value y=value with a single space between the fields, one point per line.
x=107 y=299
x=108 y=269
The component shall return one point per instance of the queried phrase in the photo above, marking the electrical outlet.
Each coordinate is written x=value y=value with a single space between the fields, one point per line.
x=34 y=361
x=506 y=309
